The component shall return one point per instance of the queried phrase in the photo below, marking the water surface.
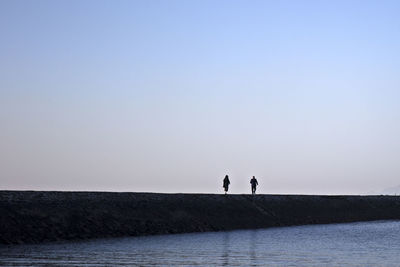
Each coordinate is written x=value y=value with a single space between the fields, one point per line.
x=353 y=244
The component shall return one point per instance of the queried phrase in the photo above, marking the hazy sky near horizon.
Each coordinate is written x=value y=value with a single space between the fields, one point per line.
x=169 y=96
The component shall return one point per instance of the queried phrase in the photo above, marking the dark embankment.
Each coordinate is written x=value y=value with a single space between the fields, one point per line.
x=31 y=217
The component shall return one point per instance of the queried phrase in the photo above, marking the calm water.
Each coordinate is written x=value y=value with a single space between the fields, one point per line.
x=355 y=244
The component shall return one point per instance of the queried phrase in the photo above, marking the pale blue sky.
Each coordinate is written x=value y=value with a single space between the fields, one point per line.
x=169 y=96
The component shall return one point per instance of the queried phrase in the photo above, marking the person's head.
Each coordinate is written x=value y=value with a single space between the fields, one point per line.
x=254 y=177
x=226 y=176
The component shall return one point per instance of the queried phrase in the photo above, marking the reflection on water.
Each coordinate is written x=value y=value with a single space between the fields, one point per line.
x=253 y=246
x=225 y=249
x=357 y=244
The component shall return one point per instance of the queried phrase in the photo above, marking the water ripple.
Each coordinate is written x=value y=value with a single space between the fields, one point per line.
x=355 y=244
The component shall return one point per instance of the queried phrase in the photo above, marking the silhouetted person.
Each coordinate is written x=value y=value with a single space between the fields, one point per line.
x=226 y=183
x=254 y=184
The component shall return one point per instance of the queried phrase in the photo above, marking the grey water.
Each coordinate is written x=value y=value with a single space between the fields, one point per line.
x=352 y=244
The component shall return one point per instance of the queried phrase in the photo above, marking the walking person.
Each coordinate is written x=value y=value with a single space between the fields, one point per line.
x=226 y=183
x=254 y=184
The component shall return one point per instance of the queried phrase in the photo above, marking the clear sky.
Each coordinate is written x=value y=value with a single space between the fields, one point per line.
x=169 y=96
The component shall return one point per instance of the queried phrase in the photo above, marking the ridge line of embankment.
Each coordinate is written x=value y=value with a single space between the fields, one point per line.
x=39 y=216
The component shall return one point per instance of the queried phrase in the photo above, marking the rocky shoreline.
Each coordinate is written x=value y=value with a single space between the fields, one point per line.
x=42 y=216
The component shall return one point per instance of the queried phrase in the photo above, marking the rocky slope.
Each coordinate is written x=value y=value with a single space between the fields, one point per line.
x=34 y=216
